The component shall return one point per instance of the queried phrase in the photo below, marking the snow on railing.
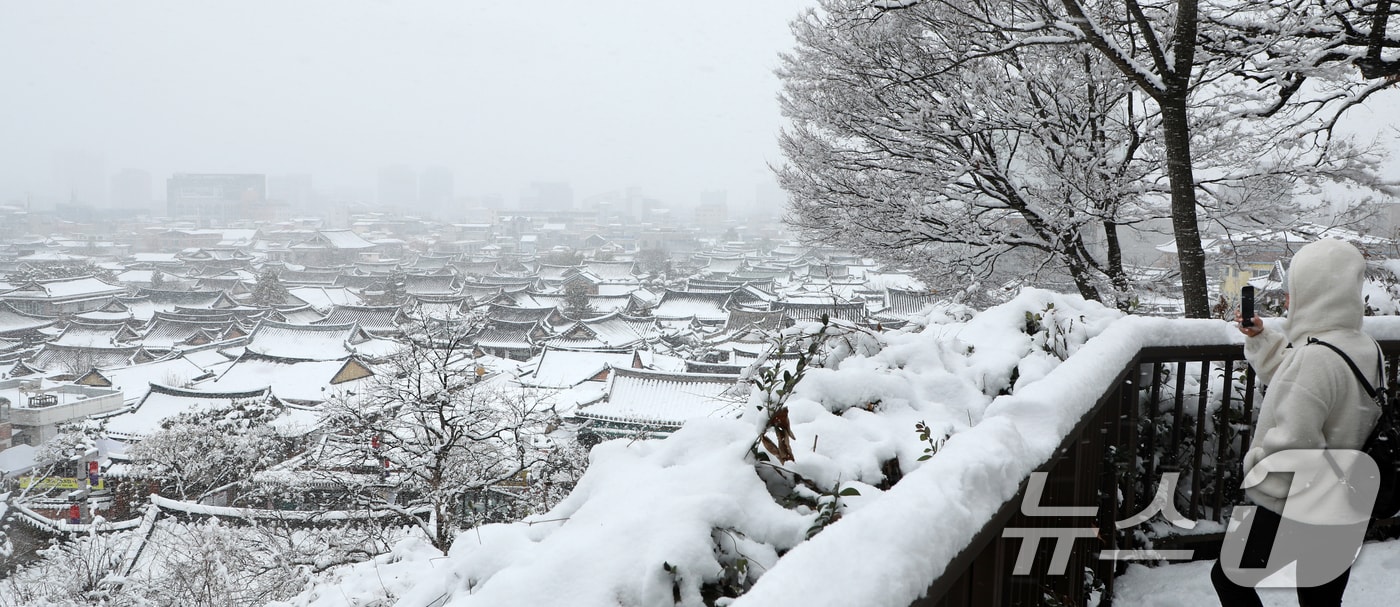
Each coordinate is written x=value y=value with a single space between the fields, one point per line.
x=888 y=553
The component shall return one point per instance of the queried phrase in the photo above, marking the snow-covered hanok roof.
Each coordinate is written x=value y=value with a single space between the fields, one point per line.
x=506 y=282
x=432 y=262
x=813 y=306
x=601 y=304
x=135 y=380
x=616 y=330
x=723 y=266
x=94 y=335
x=335 y=239
x=14 y=322
x=555 y=273
x=510 y=335
x=55 y=358
x=430 y=284
x=167 y=333
x=519 y=314
x=167 y=300
x=306 y=342
x=660 y=402
x=742 y=318
x=294 y=381
x=483 y=267
x=377 y=267
x=299 y=315
x=900 y=301
x=561 y=368
x=309 y=277
x=1317 y=231
x=325 y=298
x=165 y=402
x=705 y=306
x=727 y=284
x=613 y=271
x=375 y=319
x=439 y=307
x=80 y=287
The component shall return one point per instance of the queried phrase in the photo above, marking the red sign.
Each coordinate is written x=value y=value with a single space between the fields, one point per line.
x=75 y=514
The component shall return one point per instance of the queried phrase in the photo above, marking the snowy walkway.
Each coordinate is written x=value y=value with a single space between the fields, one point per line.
x=1374 y=583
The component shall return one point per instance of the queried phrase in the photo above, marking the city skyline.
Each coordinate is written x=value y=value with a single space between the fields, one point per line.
x=674 y=100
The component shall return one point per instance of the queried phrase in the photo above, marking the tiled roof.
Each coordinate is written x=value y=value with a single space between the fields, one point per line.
x=55 y=358
x=505 y=334
x=615 y=330
x=379 y=319
x=612 y=270
x=704 y=306
x=665 y=400
x=77 y=287
x=898 y=301
x=435 y=284
x=515 y=314
x=302 y=342
x=90 y=336
x=165 y=333
x=557 y=368
x=14 y=322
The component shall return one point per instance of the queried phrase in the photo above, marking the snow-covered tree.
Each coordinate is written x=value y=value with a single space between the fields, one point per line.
x=268 y=291
x=576 y=303
x=1220 y=88
x=195 y=454
x=1028 y=158
x=441 y=435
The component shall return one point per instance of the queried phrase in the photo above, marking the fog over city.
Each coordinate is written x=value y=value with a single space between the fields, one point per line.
x=713 y=303
x=673 y=98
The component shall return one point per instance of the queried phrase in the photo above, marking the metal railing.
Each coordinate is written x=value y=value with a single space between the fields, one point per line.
x=1187 y=411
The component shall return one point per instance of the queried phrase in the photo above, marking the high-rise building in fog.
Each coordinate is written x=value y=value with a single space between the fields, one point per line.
x=548 y=196
x=131 y=189
x=80 y=177
x=397 y=188
x=294 y=189
x=713 y=210
x=435 y=189
x=215 y=199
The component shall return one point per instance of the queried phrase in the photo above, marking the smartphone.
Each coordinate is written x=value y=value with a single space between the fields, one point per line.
x=1247 y=306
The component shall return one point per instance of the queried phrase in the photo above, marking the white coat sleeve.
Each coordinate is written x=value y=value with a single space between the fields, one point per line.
x=1265 y=353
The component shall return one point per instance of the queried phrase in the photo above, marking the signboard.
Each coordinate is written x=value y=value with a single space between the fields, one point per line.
x=58 y=482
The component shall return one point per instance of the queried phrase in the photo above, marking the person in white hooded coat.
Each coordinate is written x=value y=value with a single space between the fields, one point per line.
x=1312 y=398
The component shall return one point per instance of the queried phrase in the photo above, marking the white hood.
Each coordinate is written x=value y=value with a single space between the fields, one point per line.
x=1324 y=289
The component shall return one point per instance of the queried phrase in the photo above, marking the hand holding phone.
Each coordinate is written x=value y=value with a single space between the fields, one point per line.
x=1247 y=306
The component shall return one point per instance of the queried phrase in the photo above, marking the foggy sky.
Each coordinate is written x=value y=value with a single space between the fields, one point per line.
x=675 y=97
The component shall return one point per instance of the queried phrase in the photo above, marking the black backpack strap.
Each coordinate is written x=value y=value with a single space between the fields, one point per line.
x=1370 y=391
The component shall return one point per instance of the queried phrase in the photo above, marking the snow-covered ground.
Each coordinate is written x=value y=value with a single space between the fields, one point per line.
x=1373 y=583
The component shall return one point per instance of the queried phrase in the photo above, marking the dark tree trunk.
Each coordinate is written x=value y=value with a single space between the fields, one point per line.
x=1191 y=258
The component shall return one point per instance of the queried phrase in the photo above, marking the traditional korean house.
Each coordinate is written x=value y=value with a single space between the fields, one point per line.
x=513 y=340
x=330 y=248
x=613 y=331
x=378 y=320
x=656 y=403
x=317 y=342
x=18 y=325
x=60 y=297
